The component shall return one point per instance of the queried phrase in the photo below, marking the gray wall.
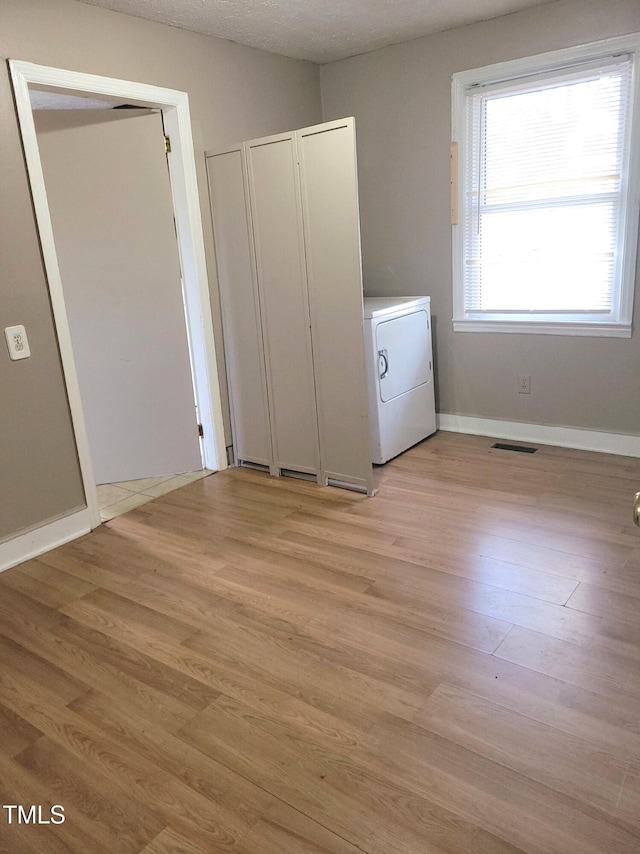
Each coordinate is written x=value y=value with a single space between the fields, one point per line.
x=235 y=93
x=401 y=99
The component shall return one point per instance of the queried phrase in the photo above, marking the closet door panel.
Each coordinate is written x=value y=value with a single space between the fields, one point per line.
x=243 y=345
x=279 y=251
x=334 y=275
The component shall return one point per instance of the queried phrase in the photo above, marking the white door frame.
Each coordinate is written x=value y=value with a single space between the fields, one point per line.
x=175 y=107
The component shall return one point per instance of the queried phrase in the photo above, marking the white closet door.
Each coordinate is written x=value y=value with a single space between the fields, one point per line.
x=279 y=253
x=112 y=214
x=243 y=344
x=332 y=241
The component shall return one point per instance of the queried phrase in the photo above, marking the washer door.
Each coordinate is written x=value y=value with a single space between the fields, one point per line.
x=404 y=357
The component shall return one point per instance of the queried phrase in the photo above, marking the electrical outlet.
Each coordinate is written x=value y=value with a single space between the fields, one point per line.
x=17 y=342
x=524 y=384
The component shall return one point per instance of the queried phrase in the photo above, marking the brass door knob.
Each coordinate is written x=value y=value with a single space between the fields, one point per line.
x=636 y=509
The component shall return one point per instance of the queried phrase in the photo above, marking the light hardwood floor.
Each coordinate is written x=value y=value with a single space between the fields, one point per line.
x=262 y=666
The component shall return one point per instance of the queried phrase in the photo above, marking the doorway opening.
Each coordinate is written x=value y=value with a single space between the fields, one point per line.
x=28 y=78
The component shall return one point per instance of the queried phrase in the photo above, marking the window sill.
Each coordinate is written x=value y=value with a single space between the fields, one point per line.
x=601 y=330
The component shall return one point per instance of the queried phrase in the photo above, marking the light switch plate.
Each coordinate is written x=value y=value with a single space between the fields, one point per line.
x=17 y=342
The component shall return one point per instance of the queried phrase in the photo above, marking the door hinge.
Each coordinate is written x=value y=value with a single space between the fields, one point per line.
x=167 y=144
x=200 y=431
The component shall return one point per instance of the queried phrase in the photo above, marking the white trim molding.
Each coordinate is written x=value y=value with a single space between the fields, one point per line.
x=612 y=322
x=544 y=434
x=601 y=330
x=43 y=539
x=175 y=107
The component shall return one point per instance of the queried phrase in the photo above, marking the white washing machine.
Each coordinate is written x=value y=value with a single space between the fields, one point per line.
x=400 y=373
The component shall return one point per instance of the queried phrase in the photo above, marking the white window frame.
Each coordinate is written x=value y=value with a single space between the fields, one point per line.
x=620 y=323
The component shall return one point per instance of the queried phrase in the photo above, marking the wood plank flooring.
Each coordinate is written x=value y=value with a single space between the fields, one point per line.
x=260 y=666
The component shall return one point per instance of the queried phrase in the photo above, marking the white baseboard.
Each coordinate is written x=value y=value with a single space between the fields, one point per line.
x=564 y=437
x=40 y=540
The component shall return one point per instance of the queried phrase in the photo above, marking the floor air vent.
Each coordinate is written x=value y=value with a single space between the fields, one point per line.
x=521 y=449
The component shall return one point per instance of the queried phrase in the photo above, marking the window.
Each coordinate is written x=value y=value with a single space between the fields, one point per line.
x=547 y=193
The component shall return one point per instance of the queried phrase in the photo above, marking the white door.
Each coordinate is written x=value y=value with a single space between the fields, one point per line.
x=403 y=346
x=243 y=342
x=329 y=185
x=110 y=201
x=279 y=252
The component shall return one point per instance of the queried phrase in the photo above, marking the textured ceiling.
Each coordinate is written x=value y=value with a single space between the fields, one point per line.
x=317 y=30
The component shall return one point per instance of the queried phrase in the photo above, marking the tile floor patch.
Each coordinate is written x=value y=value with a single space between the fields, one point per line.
x=114 y=499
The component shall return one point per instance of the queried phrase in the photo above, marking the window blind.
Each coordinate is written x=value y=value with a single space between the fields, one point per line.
x=543 y=190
